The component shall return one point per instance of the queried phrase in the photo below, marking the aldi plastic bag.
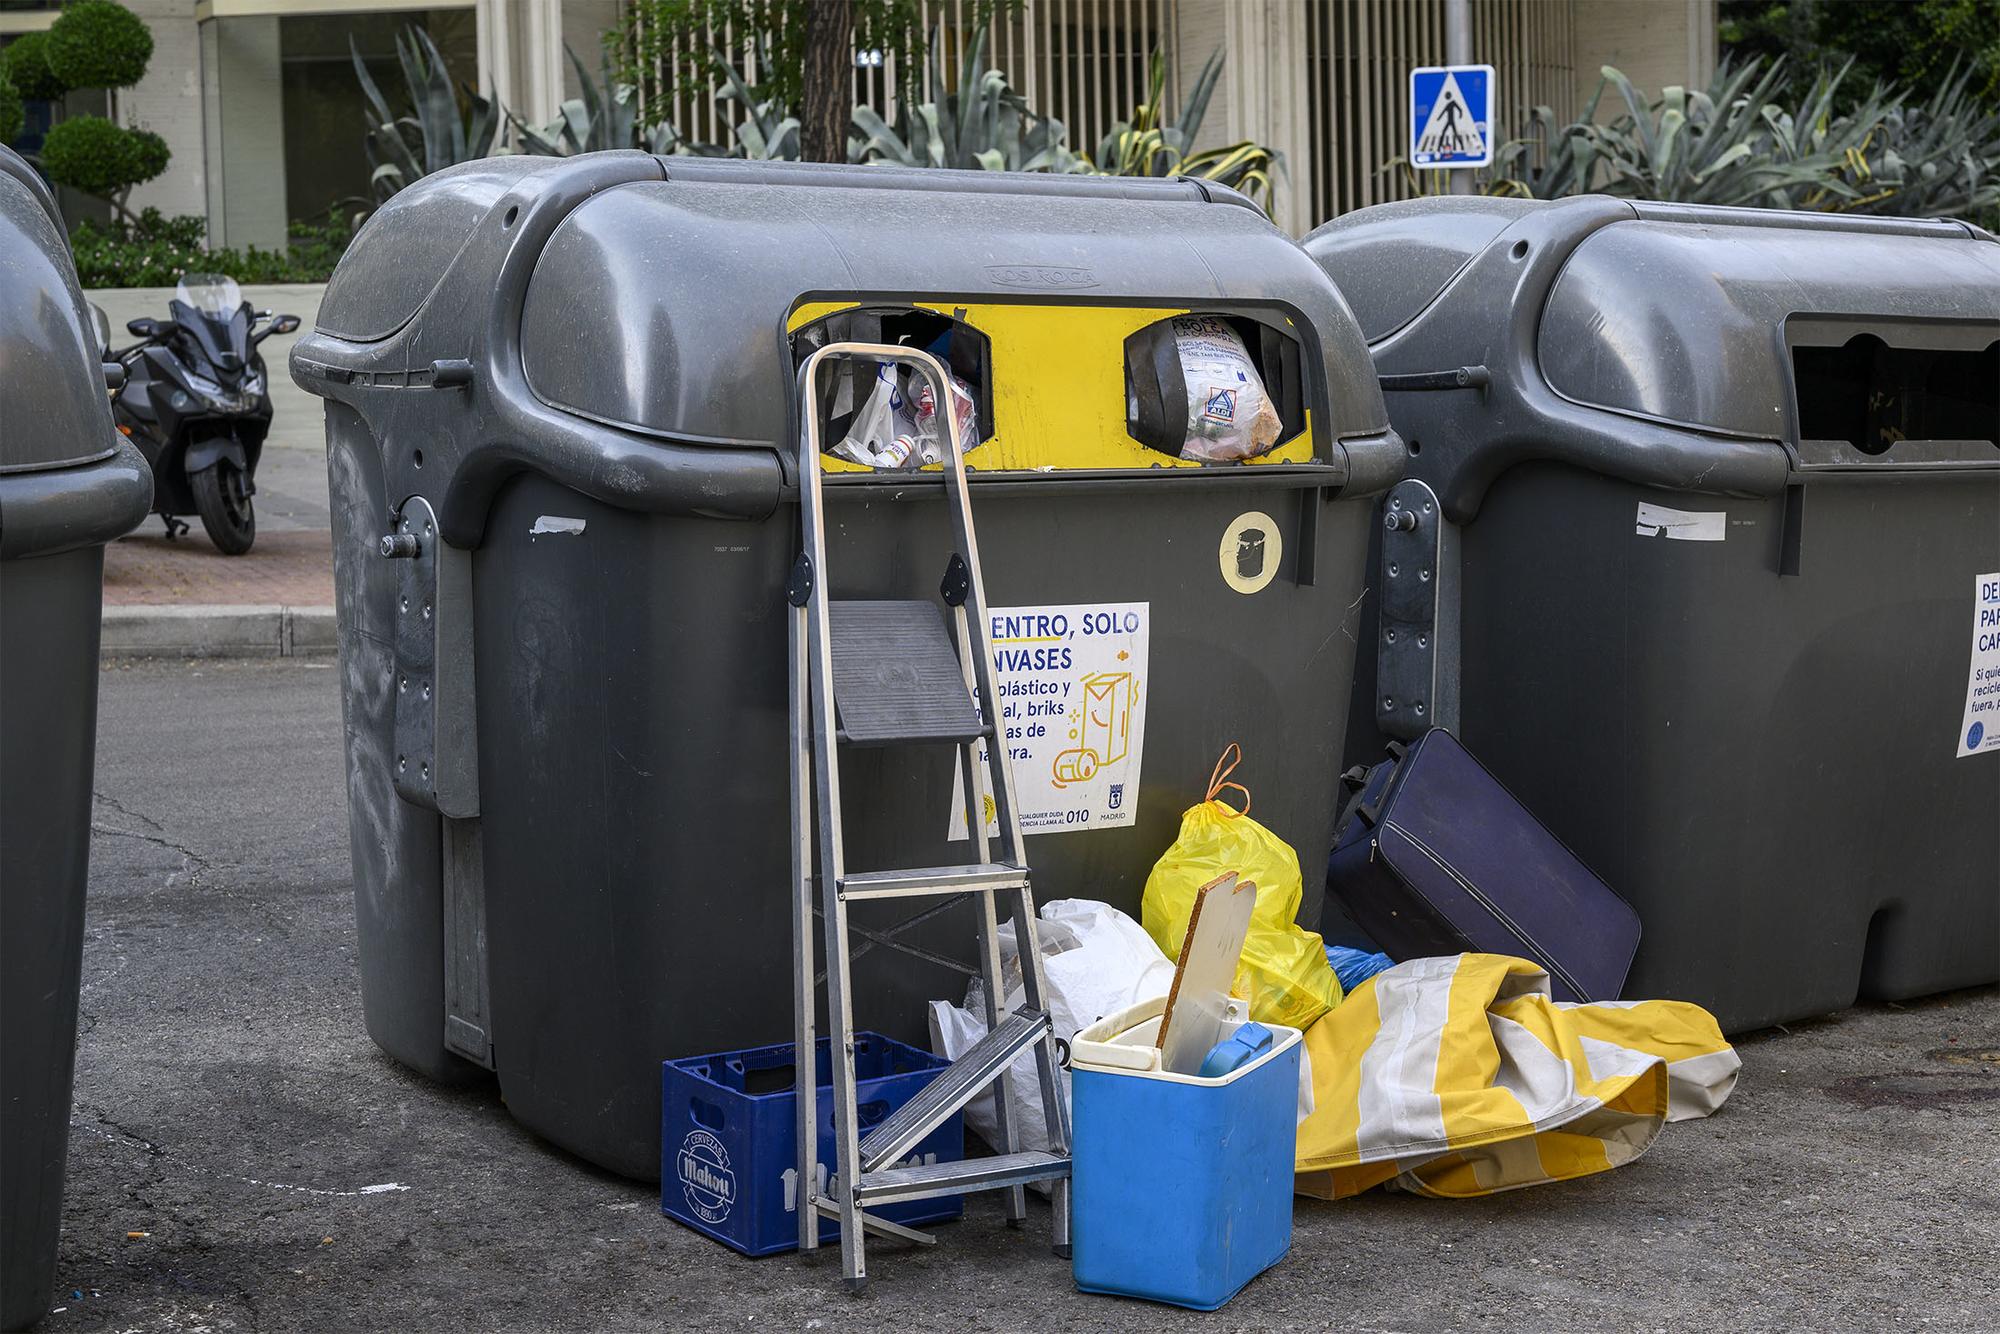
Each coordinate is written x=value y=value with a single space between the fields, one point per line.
x=1230 y=416
x=1284 y=973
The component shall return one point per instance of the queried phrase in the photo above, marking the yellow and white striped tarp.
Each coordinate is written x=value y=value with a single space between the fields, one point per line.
x=1460 y=1076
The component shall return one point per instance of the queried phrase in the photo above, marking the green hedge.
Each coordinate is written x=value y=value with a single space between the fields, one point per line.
x=157 y=250
x=99 y=44
x=27 y=61
x=98 y=157
x=13 y=116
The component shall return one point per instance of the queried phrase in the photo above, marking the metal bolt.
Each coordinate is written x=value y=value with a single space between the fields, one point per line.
x=403 y=604
x=1427 y=507
x=427 y=770
x=402 y=763
x=1394 y=569
x=427 y=690
x=1388 y=702
x=1390 y=635
x=427 y=605
x=1399 y=521
x=403 y=684
x=399 y=546
x=1420 y=710
x=1423 y=641
x=1425 y=576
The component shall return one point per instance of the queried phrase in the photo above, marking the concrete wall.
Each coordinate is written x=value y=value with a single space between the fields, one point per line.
x=1655 y=42
x=244 y=115
x=168 y=102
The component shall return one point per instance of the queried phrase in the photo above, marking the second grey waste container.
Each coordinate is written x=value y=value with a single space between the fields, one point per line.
x=1721 y=503
x=567 y=384
x=68 y=484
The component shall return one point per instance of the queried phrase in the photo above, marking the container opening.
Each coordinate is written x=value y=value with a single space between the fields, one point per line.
x=962 y=348
x=1156 y=388
x=1873 y=395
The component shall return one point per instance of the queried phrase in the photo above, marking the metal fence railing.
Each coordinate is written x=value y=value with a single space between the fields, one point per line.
x=1083 y=62
x=1359 y=55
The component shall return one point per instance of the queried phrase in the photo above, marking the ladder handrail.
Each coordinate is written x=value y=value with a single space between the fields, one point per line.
x=814 y=737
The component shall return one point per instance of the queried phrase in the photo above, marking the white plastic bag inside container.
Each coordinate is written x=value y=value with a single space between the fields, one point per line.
x=898 y=425
x=1097 y=962
x=1230 y=416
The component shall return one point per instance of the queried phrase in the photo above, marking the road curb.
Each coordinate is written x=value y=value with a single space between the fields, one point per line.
x=255 y=631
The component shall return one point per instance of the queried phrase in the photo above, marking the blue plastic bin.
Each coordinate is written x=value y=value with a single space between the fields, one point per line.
x=1182 y=1187
x=728 y=1157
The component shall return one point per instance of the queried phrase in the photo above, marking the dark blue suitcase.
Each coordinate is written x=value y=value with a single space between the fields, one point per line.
x=1434 y=857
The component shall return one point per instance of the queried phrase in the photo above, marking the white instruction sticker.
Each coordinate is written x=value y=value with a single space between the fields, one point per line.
x=1072 y=685
x=1682 y=525
x=1979 y=730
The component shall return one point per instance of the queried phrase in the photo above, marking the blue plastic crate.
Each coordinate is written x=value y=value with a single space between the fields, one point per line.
x=728 y=1156
x=1181 y=1188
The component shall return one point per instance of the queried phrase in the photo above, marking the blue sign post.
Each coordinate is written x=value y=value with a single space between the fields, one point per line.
x=1451 y=116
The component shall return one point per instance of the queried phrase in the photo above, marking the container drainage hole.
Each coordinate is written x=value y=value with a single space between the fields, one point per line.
x=417 y=457
x=1520 y=250
x=512 y=214
x=1416 y=448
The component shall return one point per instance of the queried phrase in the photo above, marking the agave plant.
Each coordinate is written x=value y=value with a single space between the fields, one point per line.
x=1940 y=158
x=1150 y=145
x=981 y=123
x=603 y=115
x=434 y=136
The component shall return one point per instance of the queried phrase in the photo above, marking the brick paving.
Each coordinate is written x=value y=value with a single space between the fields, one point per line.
x=290 y=568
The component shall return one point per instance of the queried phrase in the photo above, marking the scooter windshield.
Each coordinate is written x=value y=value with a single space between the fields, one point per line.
x=209 y=294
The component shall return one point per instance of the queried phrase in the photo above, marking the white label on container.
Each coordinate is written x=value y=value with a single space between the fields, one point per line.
x=1682 y=525
x=1072 y=685
x=1979 y=730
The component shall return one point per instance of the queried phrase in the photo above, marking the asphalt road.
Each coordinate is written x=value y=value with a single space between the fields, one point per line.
x=280 y=1174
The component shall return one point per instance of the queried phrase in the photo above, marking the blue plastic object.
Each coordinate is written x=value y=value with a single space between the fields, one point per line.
x=728 y=1157
x=1353 y=967
x=1245 y=1045
x=1182 y=1187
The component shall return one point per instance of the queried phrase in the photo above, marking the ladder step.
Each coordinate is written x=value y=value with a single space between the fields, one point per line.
x=955 y=1085
x=995 y=1173
x=971 y=879
x=896 y=676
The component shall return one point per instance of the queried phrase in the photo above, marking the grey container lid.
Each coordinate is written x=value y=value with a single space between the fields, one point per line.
x=1647 y=341
x=617 y=321
x=660 y=306
x=54 y=412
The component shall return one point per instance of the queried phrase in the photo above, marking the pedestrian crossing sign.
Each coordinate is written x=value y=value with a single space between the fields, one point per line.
x=1451 y=116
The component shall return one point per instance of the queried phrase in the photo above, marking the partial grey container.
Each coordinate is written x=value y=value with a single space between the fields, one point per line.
x=565 y=386
x=1699 y=501
x=68 y=484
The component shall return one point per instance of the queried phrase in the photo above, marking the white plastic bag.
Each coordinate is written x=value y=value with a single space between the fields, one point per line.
x=898 y=426
x=1097 y=962
x=1230 y=416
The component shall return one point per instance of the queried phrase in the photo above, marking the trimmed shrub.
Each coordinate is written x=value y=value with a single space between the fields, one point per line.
x=13 y=116
x=91 y=154
x=99 y=44
x=27 y=62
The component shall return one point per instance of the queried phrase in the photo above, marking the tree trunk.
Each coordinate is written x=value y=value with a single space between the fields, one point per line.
x=829 y=80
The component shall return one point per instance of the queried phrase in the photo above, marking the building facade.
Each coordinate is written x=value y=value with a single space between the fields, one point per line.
x=258 y=101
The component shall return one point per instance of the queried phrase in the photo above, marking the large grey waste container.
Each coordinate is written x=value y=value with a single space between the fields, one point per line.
x=566 y=715
x=1721 y=495
x=68 y=484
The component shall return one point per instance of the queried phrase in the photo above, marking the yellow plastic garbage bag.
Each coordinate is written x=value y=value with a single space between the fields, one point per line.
x=1284 y=973
x=1460 y=1076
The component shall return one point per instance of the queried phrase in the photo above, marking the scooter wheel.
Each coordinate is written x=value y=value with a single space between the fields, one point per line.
x=222 y=497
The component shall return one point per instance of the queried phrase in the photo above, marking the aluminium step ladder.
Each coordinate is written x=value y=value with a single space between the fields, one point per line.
x=884 y=673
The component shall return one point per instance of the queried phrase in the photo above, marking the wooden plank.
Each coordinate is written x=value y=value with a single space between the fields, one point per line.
x=1210 y=951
